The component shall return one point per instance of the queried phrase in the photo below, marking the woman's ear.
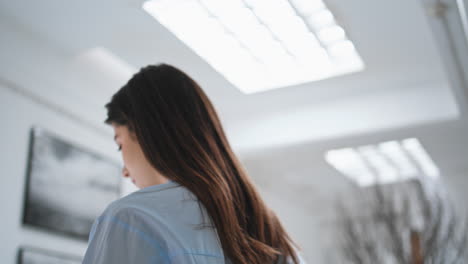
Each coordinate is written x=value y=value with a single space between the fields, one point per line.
x=131 y=131
x=132 y=135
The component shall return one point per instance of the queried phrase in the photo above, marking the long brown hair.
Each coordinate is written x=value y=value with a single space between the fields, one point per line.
x=182 y=137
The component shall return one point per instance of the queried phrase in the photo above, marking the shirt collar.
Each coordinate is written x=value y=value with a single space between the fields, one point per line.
x=159 y=187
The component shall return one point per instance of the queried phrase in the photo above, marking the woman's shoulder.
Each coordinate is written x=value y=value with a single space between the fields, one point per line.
x=131 y=215
x=153 y=202
x=119 y=207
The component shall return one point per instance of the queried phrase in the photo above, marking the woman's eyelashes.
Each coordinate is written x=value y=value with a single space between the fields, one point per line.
x=120 y=148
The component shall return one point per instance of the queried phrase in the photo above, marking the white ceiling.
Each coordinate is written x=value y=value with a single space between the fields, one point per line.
x=403 y=85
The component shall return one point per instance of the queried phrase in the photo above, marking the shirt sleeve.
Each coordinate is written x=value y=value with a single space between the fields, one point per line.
x=123 y=236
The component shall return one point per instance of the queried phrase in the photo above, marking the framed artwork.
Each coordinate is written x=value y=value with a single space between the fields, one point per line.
x=39 y=256
x=67 y=186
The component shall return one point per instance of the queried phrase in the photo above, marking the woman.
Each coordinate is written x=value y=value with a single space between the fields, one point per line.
x=196 y=204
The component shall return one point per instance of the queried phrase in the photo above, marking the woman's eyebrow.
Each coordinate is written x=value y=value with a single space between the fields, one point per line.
x=115 y=137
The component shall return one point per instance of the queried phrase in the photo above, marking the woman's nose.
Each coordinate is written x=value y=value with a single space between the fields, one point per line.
x=125 y=172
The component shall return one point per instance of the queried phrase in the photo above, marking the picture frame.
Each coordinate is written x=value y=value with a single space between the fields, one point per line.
x=67 y=186
x=30 y=255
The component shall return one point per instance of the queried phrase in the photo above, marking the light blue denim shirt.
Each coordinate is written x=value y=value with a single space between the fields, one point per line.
x=158 y=224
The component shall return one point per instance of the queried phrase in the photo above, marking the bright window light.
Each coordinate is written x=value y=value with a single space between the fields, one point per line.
x=260 y=45
x=387 y=162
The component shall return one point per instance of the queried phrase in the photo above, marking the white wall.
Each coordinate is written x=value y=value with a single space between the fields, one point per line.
x=32 y=95
x=17 y=115
x=303 y=189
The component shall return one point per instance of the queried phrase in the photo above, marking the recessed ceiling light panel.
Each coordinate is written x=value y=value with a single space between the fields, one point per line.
x=259 y=45
x=387 y=162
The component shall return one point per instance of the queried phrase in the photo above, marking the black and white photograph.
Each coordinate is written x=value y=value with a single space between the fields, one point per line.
x=39 y=256
x=67 y=186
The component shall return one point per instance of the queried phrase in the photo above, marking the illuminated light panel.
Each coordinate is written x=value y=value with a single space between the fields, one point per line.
x=417 y=152
x=387 y=162
x=260 y=45
x=350 y=163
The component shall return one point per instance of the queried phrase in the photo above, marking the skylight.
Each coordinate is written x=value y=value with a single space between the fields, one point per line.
x=386 y=162
x=260 y=45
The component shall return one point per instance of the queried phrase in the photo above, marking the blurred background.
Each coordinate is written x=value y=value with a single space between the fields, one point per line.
x=321 y=101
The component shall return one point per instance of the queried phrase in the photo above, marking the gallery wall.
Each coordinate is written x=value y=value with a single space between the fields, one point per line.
x=35 y=96
x=18 y=114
